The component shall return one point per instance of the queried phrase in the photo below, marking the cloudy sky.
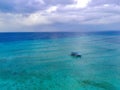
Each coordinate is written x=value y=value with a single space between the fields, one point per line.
x=59 y=15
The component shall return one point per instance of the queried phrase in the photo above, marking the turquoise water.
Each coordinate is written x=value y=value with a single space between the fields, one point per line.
x=46 y=64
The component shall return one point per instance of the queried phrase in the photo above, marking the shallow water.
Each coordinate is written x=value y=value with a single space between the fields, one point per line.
x=46 y=64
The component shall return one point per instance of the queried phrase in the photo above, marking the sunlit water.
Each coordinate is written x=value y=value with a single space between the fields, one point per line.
x=46 y=64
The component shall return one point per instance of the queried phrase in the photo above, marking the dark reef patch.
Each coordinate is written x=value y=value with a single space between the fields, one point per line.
x=102 y=85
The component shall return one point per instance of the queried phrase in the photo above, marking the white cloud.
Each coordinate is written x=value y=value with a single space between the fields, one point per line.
x=79 y=4
x=97 y=15
x=40 y=1
x=52 y=9
x=8 y=20
x=35 y=19
x=91 y=15
x=31 y=2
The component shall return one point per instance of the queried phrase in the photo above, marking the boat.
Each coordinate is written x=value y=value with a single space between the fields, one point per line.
x=75 y=54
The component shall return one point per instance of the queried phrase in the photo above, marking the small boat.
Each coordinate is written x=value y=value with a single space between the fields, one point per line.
x=75 y=54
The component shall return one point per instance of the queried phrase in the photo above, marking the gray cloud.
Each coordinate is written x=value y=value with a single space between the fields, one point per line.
x=102 y=2
x=36 y=14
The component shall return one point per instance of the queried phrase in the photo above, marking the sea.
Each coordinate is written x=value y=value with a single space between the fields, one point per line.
x=42 y=61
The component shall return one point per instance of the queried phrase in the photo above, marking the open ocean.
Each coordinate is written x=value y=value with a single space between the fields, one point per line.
x=42 y=61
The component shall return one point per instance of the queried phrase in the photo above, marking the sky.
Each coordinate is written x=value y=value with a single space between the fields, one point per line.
x=59 y=15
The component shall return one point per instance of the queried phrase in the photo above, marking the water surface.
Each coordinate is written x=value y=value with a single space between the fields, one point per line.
x=42 y=61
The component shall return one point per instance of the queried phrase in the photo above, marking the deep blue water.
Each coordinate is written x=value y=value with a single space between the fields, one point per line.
x=42 y=61
x=16 y=36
